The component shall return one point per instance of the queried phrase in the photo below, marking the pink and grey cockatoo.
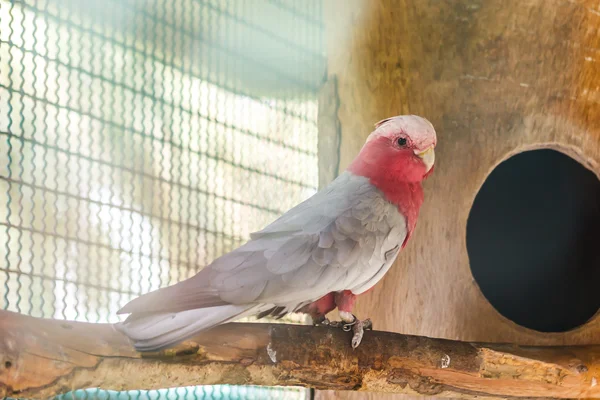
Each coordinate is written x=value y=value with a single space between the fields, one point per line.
x=319 y=255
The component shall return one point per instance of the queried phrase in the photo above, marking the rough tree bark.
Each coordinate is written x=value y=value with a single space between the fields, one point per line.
x=40 y=358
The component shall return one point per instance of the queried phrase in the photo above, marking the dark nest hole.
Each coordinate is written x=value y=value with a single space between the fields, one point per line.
x=533 y=239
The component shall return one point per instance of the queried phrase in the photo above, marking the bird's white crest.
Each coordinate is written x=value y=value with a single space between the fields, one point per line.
x=419 y=128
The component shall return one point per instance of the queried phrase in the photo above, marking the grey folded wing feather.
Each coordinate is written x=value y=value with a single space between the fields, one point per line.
x=335 y=240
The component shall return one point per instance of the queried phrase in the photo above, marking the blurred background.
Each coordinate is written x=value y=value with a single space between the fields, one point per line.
x=139 y=140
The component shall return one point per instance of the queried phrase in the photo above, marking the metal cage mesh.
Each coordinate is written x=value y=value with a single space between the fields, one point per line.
x=140 y=139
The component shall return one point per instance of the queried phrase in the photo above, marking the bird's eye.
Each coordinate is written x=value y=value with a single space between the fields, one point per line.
x=401 y=142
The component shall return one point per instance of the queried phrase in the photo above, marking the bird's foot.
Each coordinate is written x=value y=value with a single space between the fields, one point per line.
x=359 y=329
x=322 y=321
x=357 y=326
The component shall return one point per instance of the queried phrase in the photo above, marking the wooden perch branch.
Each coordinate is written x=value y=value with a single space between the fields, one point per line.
x=41 y=358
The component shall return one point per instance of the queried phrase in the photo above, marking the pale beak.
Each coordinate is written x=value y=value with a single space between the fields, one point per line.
x=428 y=157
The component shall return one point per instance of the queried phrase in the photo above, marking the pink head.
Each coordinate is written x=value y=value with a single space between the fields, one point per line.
x=399 y=150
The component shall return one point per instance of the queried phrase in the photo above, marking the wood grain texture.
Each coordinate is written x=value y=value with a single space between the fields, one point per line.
x=40 y=358
x=494 y=77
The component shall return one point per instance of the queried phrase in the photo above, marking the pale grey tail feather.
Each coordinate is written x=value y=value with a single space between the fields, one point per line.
x=154 y=332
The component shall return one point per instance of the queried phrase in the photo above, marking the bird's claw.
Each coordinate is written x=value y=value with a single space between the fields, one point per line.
x=321 y=322
x=346 y=326
x=357 y=326
x=332 y=324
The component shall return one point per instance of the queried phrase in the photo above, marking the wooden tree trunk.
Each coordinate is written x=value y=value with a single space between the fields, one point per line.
x=40 y=358
x=494 y=77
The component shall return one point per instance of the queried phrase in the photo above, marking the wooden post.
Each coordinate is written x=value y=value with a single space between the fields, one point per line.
x=41 y=358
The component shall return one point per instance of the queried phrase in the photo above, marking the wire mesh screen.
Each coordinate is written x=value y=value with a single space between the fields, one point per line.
x=141 y=139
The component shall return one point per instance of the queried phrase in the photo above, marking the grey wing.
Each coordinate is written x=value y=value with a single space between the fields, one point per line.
x=344 y=237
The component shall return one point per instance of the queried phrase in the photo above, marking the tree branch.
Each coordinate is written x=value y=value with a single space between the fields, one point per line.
x=42 y=358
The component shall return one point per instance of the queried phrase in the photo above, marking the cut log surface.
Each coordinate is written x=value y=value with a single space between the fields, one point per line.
x=40 y=358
